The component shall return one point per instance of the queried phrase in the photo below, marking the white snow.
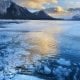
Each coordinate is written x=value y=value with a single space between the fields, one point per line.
x=62 y=61
x=46 y=26
x=61 y=72
x=47 y=70
x=1 y=75
x=4 y=4
x=25 y=77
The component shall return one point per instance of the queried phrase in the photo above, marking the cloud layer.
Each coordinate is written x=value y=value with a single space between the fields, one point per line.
x=37 y=4
x=40 y=4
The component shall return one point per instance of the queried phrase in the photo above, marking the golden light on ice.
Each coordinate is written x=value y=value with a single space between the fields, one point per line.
x=41 y=43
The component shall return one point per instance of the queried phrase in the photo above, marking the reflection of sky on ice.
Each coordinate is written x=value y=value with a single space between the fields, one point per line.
x=24 y=48
x=28 y=45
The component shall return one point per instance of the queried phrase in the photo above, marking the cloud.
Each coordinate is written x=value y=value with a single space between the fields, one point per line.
x=74 y=4
x=59 y=9
x=37 y=4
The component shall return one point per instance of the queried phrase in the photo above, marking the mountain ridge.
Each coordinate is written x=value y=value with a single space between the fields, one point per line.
x=11 y=10
x=17 y=12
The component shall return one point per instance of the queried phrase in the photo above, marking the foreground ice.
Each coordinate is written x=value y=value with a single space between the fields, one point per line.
x=17 y=44
x=63 y=62
x=25 y=77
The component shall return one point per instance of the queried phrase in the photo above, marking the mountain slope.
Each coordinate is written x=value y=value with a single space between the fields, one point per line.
x=42 y=15
x=4 y=4
x=76 y=17
x=75 y=13
x=17 y=12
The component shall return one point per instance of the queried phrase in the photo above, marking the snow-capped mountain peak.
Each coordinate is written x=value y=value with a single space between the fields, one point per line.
x=4 y=4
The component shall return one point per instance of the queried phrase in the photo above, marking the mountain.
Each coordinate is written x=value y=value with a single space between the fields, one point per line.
x=75 y=13
x=11 y=10
x=74 y=9
x=4 y=4
x=14 y=11
x=42 y=15
x=76 y=17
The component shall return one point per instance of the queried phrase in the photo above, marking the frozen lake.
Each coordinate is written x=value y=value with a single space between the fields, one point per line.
x=29 y=41
x=65 y=35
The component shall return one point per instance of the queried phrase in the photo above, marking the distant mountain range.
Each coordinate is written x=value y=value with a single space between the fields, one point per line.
x=75 y=12
x=10 y=10
x=68 y=14
x=74 y=9
x=15 y=11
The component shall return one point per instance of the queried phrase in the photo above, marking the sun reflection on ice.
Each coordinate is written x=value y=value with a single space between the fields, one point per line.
x=41 y=44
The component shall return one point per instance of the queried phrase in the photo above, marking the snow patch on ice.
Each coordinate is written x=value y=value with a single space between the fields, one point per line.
x=62 y=61
x=25 y=77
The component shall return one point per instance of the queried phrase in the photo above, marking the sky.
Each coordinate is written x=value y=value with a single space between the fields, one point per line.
x=42 y=4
